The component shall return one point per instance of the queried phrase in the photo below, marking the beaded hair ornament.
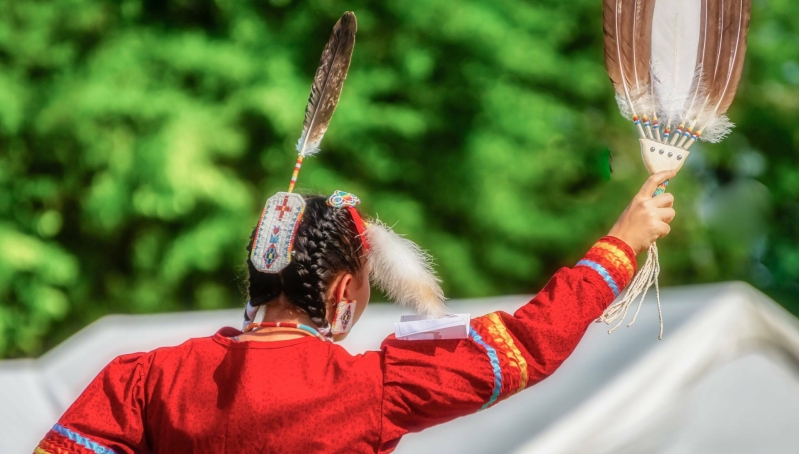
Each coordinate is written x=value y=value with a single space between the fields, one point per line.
x=396 y=265
x=679 y=62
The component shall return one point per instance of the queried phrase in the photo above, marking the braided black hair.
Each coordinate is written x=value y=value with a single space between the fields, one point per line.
x=326 y=244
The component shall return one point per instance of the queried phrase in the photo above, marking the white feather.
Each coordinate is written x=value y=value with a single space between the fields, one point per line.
x=675 y=42
x=404 y=271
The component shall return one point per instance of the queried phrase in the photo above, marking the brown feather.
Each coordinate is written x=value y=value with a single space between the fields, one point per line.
x=642 y=44
x=327 y=84
x=712 y=28
x=733 y=50
x=612 y=57
x=628 y=35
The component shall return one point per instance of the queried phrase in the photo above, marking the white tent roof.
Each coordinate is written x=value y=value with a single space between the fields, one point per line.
x=724 y=379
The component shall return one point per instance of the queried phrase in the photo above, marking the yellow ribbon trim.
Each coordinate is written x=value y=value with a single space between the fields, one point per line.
x=618 y=254
x=500 y=333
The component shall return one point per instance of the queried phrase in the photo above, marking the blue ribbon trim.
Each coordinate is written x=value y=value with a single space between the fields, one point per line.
x=492 y=356
x=602 y=272
x=81 y=440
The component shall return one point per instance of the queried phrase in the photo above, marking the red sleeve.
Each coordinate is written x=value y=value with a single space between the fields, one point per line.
x=107 y=417
x=431 y=382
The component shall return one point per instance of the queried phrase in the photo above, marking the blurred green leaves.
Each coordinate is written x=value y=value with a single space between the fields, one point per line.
x=139 y=140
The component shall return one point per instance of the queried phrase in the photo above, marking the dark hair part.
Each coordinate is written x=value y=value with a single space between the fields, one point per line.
x=326 y=244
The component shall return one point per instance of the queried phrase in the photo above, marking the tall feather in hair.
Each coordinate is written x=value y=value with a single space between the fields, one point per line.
x=326 y=88
x=404 y=271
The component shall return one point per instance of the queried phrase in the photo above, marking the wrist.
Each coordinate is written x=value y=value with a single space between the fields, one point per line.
x=624 y=244
x=613 y=259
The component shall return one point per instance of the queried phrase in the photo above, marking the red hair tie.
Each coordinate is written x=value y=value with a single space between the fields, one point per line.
x=360 y=226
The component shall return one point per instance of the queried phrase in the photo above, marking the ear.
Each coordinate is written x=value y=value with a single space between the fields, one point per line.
x=340 y=291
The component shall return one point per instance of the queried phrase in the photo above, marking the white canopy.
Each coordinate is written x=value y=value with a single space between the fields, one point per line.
x=724 y=379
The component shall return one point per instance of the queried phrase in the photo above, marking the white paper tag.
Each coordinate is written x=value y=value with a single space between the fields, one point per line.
x=419 y=327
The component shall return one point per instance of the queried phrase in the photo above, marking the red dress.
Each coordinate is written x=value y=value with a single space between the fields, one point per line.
x=217 y=395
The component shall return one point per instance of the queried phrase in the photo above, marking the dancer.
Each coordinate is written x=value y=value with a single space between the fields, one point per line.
x=282 y=384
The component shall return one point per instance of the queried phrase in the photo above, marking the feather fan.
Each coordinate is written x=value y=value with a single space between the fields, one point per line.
x=694 y=52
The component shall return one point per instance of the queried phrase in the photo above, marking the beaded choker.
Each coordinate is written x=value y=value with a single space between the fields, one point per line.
x=299 y=326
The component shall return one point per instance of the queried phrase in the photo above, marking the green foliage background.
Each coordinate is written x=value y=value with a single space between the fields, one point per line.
x=140 y=138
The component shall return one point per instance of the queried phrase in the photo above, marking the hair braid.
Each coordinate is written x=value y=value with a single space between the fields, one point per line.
x=325 y=245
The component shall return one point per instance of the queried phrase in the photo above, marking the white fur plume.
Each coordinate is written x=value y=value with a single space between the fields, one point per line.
x=404 y=271
x=675 y=43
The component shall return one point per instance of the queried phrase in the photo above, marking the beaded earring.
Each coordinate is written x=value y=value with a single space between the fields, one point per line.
x=345 y=313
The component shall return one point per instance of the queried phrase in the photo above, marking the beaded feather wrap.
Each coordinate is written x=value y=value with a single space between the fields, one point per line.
x=675 y=66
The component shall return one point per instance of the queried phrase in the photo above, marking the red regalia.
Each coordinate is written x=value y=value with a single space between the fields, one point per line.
x=218 y=395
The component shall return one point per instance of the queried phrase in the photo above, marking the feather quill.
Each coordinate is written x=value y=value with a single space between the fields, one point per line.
x=403 y=271
x=627 y=25
x=327 y=84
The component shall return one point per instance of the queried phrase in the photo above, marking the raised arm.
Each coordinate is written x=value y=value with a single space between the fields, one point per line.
x=430 y=382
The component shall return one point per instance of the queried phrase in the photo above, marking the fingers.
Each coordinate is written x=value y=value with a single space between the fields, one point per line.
x=662 y=201
x=663 y=230
x=653 y=181
x=666 y=214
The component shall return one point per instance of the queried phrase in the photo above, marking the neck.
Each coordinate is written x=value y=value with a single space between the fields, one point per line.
x=281 y=310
